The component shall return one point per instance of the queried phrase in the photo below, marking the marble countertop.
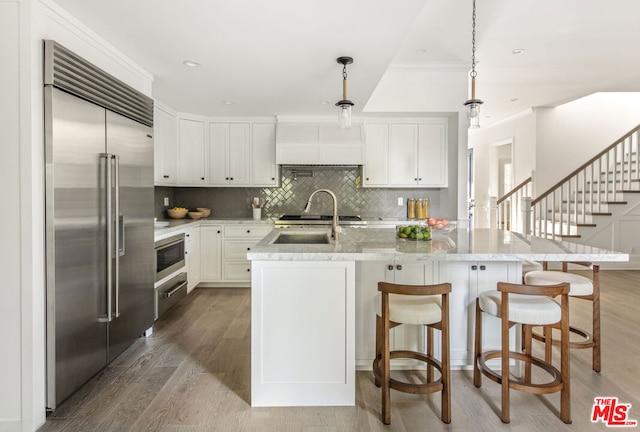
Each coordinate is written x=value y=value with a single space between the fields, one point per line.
x=380 y=244
x=176 y=225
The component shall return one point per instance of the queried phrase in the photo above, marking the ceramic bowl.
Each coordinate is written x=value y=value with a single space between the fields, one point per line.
x=195 y=215
x=205 y=211
x=177 y=214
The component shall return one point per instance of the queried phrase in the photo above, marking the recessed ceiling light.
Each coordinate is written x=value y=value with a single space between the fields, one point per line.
x=513 y=99
x=324 y=102
x=517 y=51
x=421 y=52
x=228 y=102
x=191 y=63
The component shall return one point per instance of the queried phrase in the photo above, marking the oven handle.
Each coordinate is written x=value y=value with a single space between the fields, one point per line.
x=177 y=288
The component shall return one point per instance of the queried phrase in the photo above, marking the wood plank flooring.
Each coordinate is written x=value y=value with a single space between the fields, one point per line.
x=193 y=375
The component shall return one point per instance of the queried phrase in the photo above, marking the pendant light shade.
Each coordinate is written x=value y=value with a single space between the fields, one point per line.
x=344 y=105
x=473 y=104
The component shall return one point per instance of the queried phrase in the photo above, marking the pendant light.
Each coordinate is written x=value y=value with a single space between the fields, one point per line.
x=344 y=105
x=473 y=104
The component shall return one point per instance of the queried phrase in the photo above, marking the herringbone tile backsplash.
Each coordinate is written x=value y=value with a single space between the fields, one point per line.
x=294 y=192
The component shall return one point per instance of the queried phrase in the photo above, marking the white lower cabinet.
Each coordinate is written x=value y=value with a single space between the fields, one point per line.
x=368 y=275
x=211 y=253
x=468 y=279
x=238 y=240
x=192 y=257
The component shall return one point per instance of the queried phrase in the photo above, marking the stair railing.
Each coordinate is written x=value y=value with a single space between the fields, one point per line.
x=511 y=210
x=586 y=191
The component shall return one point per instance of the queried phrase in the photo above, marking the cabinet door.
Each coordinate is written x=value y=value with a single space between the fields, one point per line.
x=192 y=256
x=211 y=253
x=239 y=154
x=461 y=309
x=432 y=155
x=369 y=273
x=191 y=143
x=403 y=153
x=376 y=166
x=218 y=156
x=165 y=139
x=264 y=171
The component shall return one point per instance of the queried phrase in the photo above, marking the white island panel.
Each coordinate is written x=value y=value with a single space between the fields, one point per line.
x=303 y=333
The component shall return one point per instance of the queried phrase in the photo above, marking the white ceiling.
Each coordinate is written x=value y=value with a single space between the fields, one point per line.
x=278 y=57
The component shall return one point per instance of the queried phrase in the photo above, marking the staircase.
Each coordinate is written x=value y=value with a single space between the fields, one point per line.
x=600 y=191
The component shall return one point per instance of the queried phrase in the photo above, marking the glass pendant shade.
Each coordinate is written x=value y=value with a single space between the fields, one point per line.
x=473 y=112
x=344 y=116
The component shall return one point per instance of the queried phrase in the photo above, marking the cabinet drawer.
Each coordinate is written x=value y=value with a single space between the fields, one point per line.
x=247 y=230
x=237 y=249
x=236 y=271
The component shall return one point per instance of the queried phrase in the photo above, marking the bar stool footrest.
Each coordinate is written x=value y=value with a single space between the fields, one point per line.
x=587 y=337
x=413 y=388
x=544 y=388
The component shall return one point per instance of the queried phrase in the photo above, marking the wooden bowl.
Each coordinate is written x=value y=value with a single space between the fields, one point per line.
x=177 y=214
x=205 y=211
x=195 y=215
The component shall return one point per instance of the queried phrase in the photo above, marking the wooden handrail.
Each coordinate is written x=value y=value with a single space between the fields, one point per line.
x=514 y=190
x=584 y=165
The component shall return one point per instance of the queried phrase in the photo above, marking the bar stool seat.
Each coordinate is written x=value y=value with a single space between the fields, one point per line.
x=426 y=305
x=584 y=288
x=529 y=306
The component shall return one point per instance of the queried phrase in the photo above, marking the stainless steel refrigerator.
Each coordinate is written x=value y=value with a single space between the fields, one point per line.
x=99 y=219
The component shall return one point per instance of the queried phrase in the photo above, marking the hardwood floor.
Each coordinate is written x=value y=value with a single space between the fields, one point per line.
x=193 y=374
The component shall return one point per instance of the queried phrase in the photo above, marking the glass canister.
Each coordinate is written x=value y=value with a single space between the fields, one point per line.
x=425 y=208
x=411 y=208
x=420 y=208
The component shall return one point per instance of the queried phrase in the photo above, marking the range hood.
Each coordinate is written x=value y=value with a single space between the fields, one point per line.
x=319 y=143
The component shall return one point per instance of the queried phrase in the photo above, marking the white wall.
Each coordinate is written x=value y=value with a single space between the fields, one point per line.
x=521 y=131
x=11 y=369
x=23 y=25
x=573 y=133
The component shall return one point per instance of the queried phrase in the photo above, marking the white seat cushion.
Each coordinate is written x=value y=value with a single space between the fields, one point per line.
x=580 y=285
x=407 y=309
x=524 y=309
x=529 y=266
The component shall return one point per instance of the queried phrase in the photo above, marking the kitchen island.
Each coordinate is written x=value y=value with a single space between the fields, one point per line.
x=312 y=317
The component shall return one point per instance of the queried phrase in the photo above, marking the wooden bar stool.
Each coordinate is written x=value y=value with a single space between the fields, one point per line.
x=420 y=305
x=529 y=306
x=582 y=288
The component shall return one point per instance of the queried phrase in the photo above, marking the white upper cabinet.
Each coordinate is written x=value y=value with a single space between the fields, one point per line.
x=229 y=150
x=376 y=165
x=406 y=154
x=192 y=151
x=165 y=139
x=319 y=143
x=403 y=154
x=264 y=171
x=191 y=145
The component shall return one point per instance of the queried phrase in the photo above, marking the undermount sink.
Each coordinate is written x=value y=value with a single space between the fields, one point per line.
x=302 y=238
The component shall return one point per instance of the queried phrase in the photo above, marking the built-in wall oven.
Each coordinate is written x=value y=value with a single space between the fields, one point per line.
x=171 y=275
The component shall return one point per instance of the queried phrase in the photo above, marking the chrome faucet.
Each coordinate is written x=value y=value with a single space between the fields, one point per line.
x=335 y=229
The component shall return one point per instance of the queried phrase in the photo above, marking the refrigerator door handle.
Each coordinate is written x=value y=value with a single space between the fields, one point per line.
x=119 y=246
x=109 y=232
